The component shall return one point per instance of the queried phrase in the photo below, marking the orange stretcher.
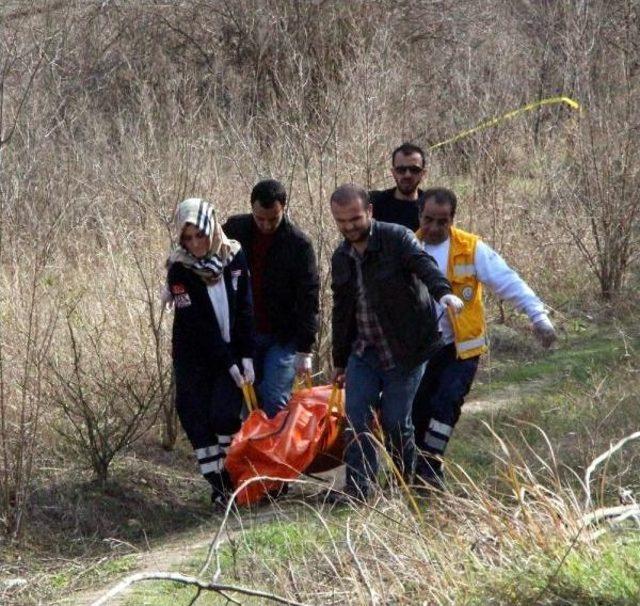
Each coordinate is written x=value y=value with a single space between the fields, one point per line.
x=305 y=437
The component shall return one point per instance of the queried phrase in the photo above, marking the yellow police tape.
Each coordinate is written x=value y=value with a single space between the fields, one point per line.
x=512 y=114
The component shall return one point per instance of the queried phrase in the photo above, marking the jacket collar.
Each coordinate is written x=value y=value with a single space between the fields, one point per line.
x=283 y=228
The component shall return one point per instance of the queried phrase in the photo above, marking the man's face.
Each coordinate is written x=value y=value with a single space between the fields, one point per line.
x=435 y=221
x=408 y=171
x=267 y=219
x=194 y=241
x=353 y=220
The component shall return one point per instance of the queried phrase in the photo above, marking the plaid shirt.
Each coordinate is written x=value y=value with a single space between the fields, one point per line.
x=369 y=330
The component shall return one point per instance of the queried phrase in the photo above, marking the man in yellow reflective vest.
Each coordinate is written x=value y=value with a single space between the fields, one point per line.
x=469 y=264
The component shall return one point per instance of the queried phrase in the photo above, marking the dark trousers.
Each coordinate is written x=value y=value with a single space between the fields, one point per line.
x=437 y=406
x=369 y=388
x=208 y=405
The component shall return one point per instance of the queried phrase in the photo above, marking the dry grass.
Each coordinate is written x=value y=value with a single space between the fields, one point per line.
x=524 y=541
x=111 y=113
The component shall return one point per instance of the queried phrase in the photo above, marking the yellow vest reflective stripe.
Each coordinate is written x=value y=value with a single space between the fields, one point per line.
x=472 y=344
x=464 y=270
x=469 y=325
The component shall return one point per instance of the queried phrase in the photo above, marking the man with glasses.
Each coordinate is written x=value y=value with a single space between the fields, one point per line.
x=401 y=204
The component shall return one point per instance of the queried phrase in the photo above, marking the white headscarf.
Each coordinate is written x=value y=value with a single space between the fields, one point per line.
x=222 y=250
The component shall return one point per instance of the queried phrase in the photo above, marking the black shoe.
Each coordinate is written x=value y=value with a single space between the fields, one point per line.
x=276 y=493
x=219 y=500
x=429 y=482
x=347 y=496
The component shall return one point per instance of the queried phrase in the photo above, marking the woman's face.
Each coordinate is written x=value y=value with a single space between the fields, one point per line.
x=194 y=241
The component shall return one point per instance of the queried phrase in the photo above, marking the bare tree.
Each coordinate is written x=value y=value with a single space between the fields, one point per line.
x=24 y=349
x=108 y=402
x=598 y=188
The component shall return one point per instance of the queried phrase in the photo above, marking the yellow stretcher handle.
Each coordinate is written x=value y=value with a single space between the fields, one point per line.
x=336 y=400
x=302 y=381
x=250 y=398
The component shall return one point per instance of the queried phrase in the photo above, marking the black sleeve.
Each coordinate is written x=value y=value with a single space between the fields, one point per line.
x=417 y=261
x=195 y=325
x=244 y=325
x=238 y=227
x=307 y=297
x=341 y=319
x=229 y=229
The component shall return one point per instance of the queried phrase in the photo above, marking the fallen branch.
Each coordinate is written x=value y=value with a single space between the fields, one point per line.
x=599 y=459
x=619 y=512
x=193 y=581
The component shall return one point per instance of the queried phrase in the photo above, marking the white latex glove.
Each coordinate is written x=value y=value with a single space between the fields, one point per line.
x=236 y=375
x=166 y=298
x=302 y=362
x=544 y=331
x=249 y=373
x=455 y=304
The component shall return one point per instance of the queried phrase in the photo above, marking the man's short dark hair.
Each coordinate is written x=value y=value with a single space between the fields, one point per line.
x=406 y=149
x=442 y=196
x=347 y=192
x=268 y=192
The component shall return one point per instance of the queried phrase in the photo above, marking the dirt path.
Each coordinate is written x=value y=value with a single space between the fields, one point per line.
x=503 y=397
x=171 y=554
x=182 y=548
x=162 y=558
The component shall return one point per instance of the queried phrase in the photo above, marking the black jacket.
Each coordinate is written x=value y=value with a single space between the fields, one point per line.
x=399 y=279
x=291 y=282
x=196 y=334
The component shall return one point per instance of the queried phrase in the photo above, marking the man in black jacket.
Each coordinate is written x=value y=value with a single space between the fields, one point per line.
x=384 y=329
x=401 y=204
x=285 y=283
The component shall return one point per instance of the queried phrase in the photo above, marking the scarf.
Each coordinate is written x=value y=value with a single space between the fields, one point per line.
x=222 y=250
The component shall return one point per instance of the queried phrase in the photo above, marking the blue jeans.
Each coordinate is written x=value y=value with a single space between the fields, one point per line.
x=438 y=404
x=274 y=372
x=369 y=387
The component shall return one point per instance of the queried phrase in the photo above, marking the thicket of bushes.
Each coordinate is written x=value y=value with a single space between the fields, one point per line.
x=112 y=112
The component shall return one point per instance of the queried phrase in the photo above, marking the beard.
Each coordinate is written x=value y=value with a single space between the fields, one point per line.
x=407 y=188
x=357 y=236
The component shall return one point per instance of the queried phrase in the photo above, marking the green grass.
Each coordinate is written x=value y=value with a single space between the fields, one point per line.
x=607 y=575
x=583 y=397
x=92 y=575
x=577 y=354
x=245 y=561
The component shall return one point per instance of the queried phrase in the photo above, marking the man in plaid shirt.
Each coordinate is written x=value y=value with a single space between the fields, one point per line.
x=384 y=329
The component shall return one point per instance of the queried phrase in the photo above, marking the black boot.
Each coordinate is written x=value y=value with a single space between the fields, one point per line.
x=429 y=472
x=220 y=485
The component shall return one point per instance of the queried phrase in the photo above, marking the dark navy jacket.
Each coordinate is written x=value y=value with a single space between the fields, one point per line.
x=196 y=335
x=399 y=281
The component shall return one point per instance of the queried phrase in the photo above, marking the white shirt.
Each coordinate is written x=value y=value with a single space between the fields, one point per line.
x=492 y=271
x=218 y=296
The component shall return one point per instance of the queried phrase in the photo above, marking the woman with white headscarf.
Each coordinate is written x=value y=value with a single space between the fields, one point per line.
x=213 y=336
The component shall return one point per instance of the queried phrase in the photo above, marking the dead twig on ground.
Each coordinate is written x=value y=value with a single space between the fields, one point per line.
x=193 y=581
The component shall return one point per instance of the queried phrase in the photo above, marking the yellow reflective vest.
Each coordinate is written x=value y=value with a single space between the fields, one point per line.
x=469 y=327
